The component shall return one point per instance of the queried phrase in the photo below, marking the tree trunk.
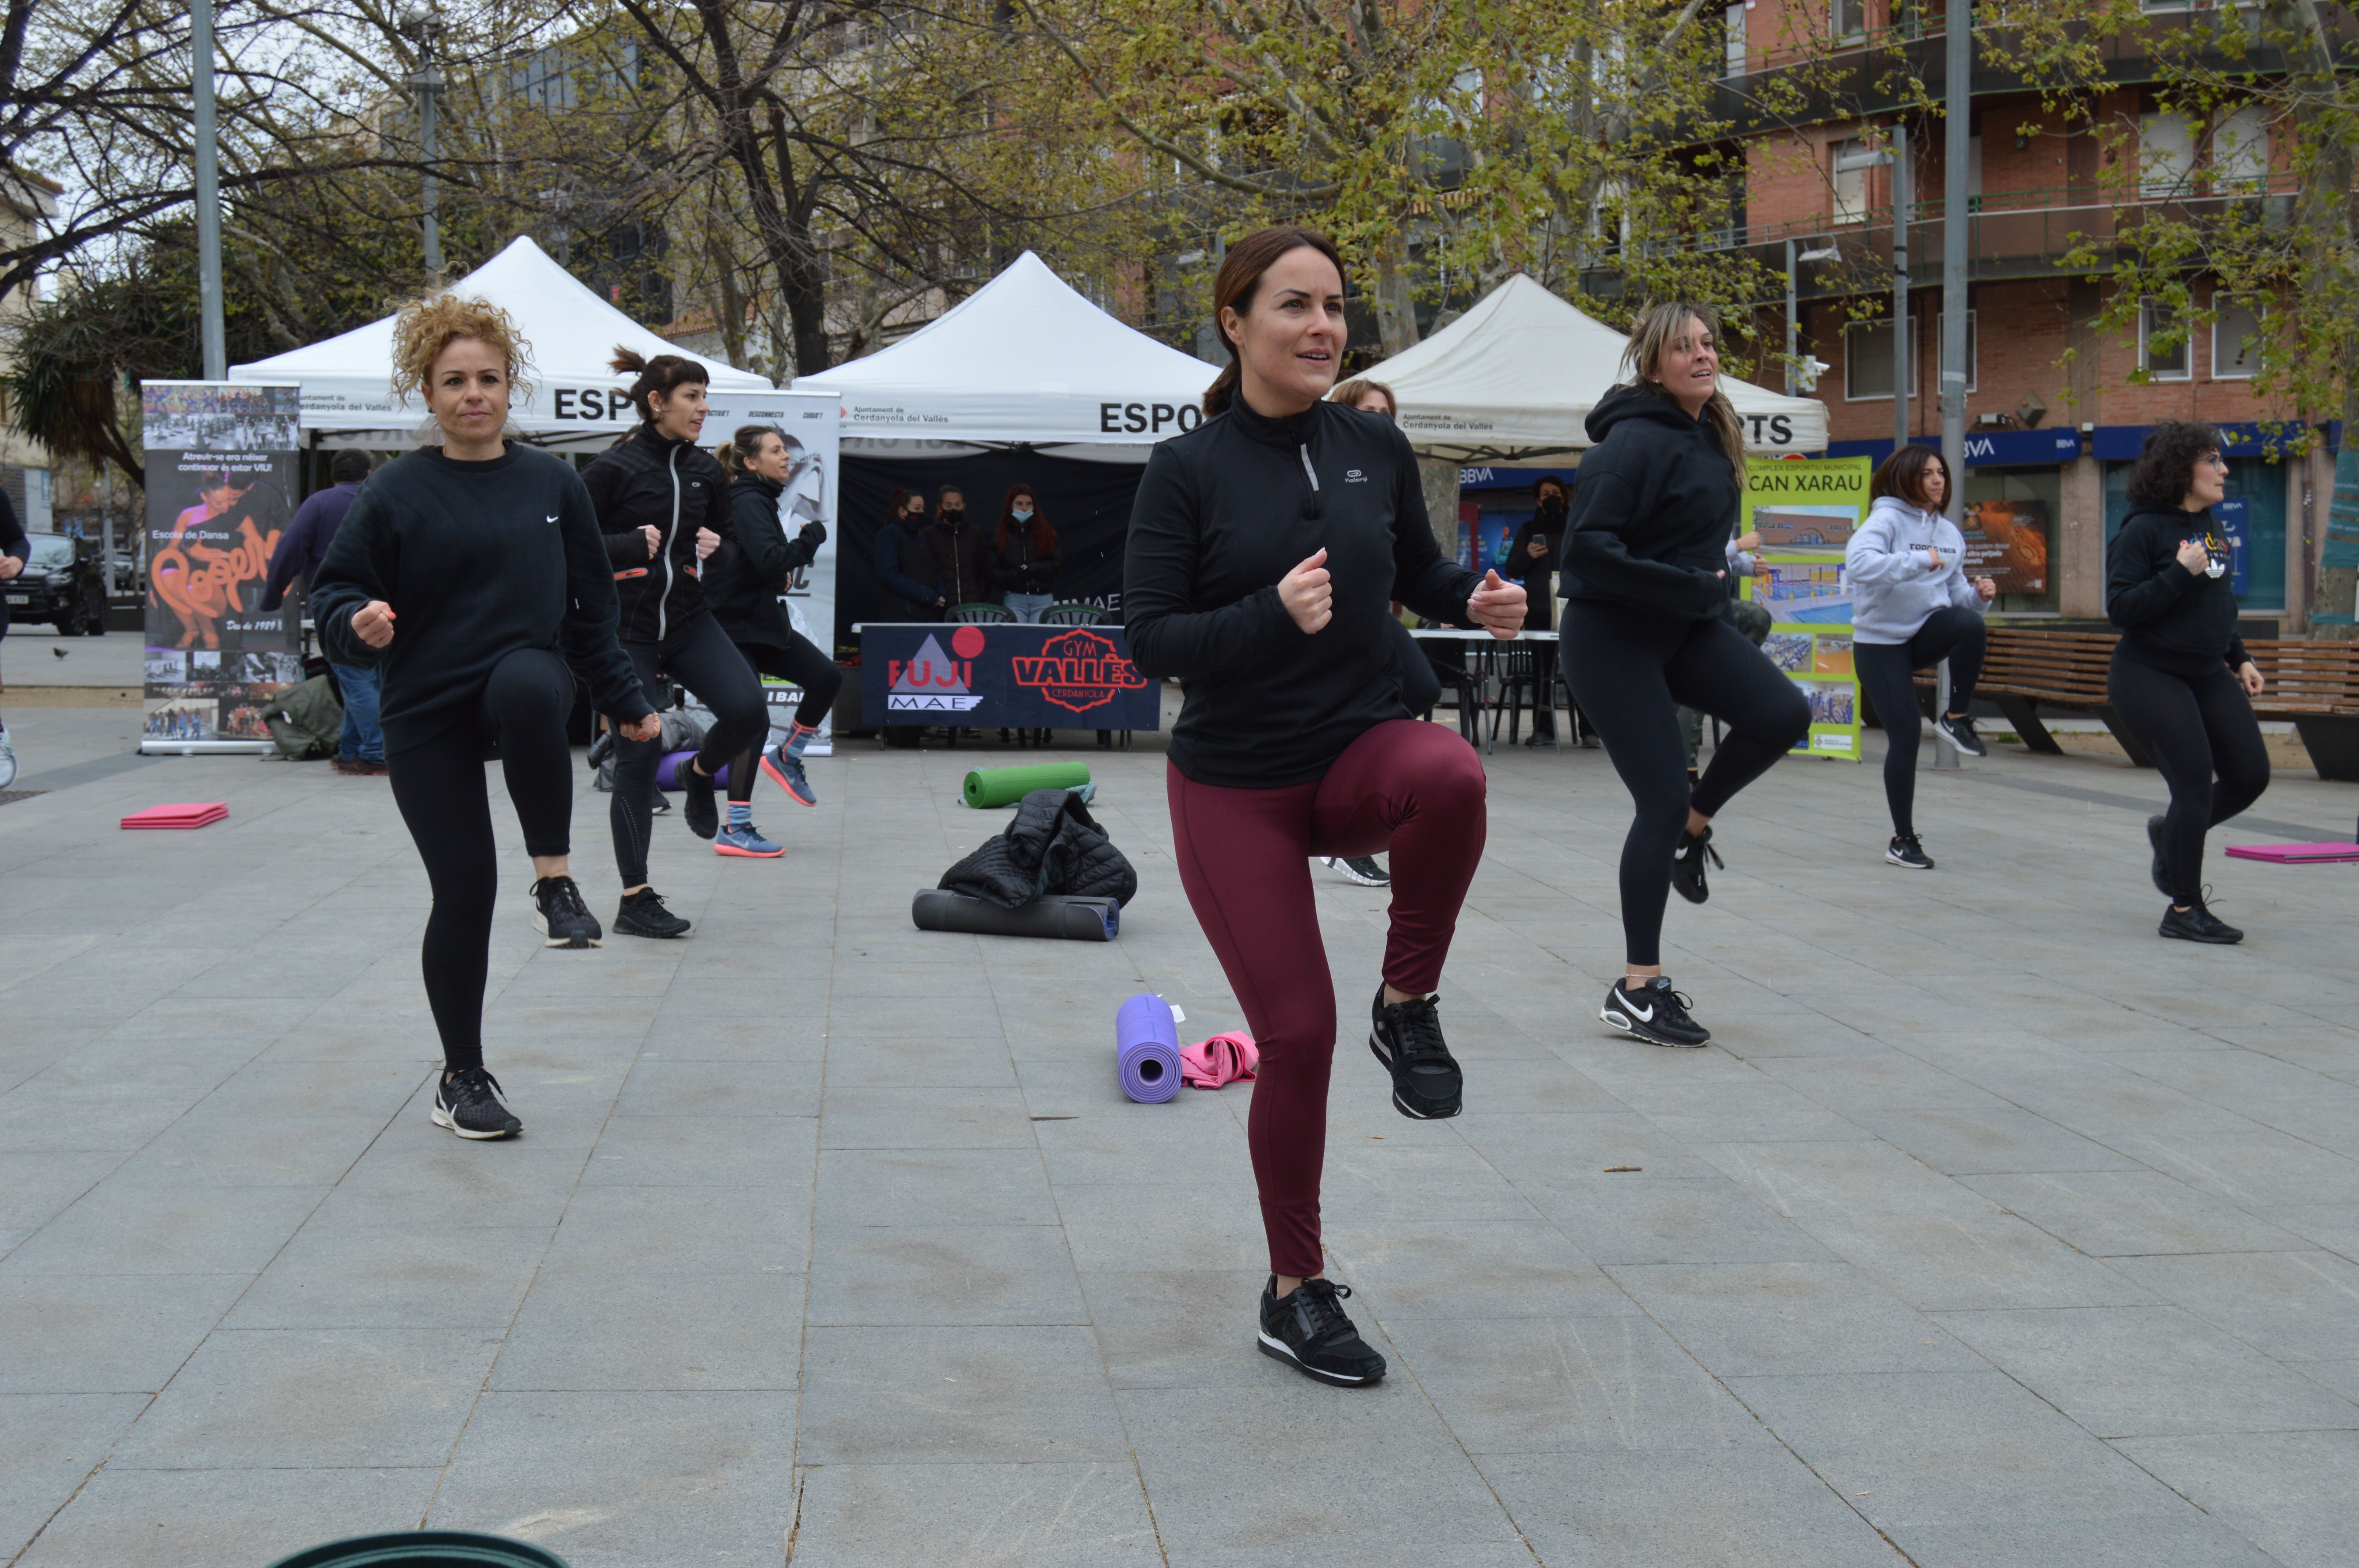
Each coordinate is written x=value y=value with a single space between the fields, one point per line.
x=1395 y=311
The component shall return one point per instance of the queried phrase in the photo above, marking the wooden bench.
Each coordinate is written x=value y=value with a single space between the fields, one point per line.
x=2314 y=685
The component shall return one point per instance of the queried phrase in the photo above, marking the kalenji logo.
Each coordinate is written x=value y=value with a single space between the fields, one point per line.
x=1077 y=671
x=932 y=682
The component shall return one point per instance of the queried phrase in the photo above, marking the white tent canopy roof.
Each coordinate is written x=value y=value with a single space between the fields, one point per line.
x=347 y=380
x=1515 y=376
x=1022 y=359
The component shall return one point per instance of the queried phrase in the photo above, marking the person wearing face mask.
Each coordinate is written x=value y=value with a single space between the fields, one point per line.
x=1026 y=549
x=903 y=562
x=1264 y=545
x=2180 y=678
x=963 y=559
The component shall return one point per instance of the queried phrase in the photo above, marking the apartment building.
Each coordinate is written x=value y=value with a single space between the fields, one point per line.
x=26 y=199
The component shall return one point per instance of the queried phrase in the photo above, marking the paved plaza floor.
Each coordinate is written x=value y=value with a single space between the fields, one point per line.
x=1991 y=1231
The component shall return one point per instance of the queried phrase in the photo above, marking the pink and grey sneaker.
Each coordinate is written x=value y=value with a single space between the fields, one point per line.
x=785 y=767
x=743 y=839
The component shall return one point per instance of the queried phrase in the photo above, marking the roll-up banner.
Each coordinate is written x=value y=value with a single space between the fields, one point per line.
x=1806 y=513
x=221 y=487
x=810 y=423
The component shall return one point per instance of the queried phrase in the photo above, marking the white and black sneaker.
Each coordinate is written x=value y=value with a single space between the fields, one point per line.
x=1654 y=1012
x=1960 y=733
x=1905 y=850
x=559 y=913
x=468 y=1103
x=1308 y=1331
x=1361 y=869
x=1687 y=864
x=1405 y=1036
x=2154 y=831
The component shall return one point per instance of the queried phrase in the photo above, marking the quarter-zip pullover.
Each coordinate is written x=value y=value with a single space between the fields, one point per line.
x=676 y=486
x=1223 y=514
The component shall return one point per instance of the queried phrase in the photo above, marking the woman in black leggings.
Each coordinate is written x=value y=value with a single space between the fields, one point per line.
x=2181 y=679
x=773 y=485
x=473 y=575
x=1913 y=607
x=1646 y=574
x=663 y=504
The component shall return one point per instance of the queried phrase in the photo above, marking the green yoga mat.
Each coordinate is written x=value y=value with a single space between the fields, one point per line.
x=987 y=787
x=424 y=1549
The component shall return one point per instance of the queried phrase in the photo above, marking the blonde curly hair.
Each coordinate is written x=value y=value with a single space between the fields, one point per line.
x=426 y=327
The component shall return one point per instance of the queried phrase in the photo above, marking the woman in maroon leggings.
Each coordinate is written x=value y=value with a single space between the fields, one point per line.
x=1264 y=547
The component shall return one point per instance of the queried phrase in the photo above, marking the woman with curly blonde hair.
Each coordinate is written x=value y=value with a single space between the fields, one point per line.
x=471 y=574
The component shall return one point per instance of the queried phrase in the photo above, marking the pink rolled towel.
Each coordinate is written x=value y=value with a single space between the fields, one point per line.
x=1224 y=1059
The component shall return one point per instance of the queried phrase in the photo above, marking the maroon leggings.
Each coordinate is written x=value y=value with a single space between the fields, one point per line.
x=1414 y=788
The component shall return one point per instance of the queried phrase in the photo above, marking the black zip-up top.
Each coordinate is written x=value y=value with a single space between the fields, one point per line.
x=1653 y=508
x=477 y=560
x=2172 y=619
x=1224 y=512
x=751 y=570
x=679 y=487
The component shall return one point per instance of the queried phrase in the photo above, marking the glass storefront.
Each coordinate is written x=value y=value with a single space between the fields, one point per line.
x=2257 y=487
x=2018 y=508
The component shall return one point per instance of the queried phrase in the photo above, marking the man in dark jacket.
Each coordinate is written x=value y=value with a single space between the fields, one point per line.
x=1533 y=558
x=302 y=548
x=906 y=566
x=963 y=559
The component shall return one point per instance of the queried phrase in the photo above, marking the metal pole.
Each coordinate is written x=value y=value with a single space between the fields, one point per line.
x=1903 y=209
x=1956 y=154
x=1793 y=325
x=428 y=79
x=208 y=267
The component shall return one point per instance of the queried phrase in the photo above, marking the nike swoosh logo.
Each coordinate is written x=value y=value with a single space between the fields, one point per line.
x=1645 y=1015
x=550 y=518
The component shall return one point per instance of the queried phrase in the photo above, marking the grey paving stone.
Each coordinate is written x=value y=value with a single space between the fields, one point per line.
x=1994 y=1137
x=2295 y=1306
x=865 y=1117
x=922 y=1516
x=104 y=1334
x=2255 y=1167
x=661 y=1086
x=1636 y=1220
x=2289 y=1493
x=628 y=1480
x=993 y=1395
x=2189 y=1542
x=417 y=1170
x=1861 y=1080
x=48 y=1445
x=1125 y=1228
x=1196 y=1142
x=672 y=1231
x=1762 y=1319
x=1943 y=1263
x=964 y=1275
x=1180 y=1328
x=125 y=1227
x=1490 y=1269
x=738 y=1151
x=419 y=1275
x=1843 y=1179
x=934 y=1187
x=1539 y=1149
x=219 y=1517
x=2132 y=1213
x=631 y=1329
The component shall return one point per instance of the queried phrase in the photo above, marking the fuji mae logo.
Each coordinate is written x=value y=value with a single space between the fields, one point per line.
x=932 y=682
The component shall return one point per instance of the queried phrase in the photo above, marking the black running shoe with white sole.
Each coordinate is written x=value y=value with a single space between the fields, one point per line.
x=468 y=1103
x=1361 y=869
x=1308 y=1331
x=1654 y=1012
x=559 y=913
x=2197 y=923
x=2153 y=830
x=1407 y=1038
x=1687 y=864
x=1960 y=733
x=696 y=807
x=642 y=914
x=1905 y=850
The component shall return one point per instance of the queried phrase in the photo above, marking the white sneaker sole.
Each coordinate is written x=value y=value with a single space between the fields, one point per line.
x=444 y=1119
x=1952 y=741
x=1891 y=859
x=540 y=924
x=1623 y=1023
x=1272 y=1346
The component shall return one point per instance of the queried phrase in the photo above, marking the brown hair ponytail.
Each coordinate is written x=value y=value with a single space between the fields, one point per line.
x=664 y=374
x=1234 y=287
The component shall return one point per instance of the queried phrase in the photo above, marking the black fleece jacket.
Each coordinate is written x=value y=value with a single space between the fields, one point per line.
x=679 y=487
x=750 y=570
x=477 y=560
x=2172 y=619
x=1653 y=510
x=1224 y=512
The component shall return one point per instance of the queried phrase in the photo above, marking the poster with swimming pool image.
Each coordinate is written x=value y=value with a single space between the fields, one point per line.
x=1806 y=513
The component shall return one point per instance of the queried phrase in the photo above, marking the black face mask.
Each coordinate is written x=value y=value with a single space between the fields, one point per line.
x=1551 y=505
x=952 y=513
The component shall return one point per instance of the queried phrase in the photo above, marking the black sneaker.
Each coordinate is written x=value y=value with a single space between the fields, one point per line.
x=1687 y=864
x=1407 y=1038
x=1361 y=869
x=2197 y=924
x=559 y=913
x=642 y=914
x=1309 y=1330
x=1905 y=850
x=696 y=807
x=2154 y=827
x=1960 y=733
x=468 y=1103
x=1655 y=1013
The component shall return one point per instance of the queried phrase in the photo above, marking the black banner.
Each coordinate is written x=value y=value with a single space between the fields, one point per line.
x=1018 y=677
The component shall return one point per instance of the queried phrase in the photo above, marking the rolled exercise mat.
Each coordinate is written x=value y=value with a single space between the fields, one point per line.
x=1146 y=1049
x=1052 y=914
x=669 y=770
x=425 y=1549
x=987 y=787
x=2296 y=854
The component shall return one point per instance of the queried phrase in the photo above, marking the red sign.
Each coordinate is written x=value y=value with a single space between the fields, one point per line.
x=1077 y=671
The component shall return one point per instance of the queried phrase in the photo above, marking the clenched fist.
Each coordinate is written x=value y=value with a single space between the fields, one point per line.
x=1308 y=593
x=373 y=623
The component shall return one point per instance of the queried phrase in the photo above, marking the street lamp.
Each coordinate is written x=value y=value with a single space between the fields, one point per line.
x=209 y=262
x=1904 y=205
x=1802 y=375
x=423 y=26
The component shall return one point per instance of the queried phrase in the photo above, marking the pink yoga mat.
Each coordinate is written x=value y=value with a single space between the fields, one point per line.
x=191 y=814
x=2296 y=854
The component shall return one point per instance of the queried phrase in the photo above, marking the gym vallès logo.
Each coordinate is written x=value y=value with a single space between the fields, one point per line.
x=931 y=682
x=1077 y=671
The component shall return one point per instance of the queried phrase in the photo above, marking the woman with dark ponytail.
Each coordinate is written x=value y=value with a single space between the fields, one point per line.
x=1265 y=547
x=663 y=504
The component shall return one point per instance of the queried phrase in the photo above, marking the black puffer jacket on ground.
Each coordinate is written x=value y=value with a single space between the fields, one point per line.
x=1054 y=846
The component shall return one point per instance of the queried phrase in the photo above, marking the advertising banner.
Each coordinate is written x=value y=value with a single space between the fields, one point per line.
x=221 y=487
x=2008 y=541
x=808 y=422
x=1004 y=677
x=1806 y=513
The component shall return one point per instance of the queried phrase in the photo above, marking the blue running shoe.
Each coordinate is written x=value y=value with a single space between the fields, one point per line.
x=747 y=841
x=785 y=771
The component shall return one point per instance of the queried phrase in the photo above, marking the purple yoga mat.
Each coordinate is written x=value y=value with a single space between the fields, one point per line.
x=668 y=771
x=1146 y=1049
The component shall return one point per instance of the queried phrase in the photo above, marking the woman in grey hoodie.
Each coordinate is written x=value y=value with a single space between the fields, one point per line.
x=1912 y=606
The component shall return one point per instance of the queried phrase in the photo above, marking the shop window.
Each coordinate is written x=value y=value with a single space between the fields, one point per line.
x=2013 y=512
x=2235 y=341
x=2161 y=358
x=2165 y=154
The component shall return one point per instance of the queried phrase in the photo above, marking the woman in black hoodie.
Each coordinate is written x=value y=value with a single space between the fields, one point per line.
x=1646 y=574
x=2180 y=678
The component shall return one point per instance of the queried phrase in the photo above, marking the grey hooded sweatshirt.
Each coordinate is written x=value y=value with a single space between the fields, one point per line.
x=1894 y=588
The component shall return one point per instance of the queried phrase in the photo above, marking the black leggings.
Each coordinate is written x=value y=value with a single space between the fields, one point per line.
x=799 y=662
x=439 y=785
x=2192 y=729
x=701 y=657
x=1631 y=670
x=1887 y=674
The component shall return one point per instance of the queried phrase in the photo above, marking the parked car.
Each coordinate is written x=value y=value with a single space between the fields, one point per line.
x=62 y=583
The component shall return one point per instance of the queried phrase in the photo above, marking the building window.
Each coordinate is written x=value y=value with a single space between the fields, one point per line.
x=1849 y=185
x=1868 y=356
x=2161 y=361
x=2239 y=151
x=1733 y=53
x=2235 y=341
x=2165 y=154
x=1849 y=18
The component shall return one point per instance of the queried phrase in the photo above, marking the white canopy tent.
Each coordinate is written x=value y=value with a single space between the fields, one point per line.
x=1025 y=360
x=1515 y=376
x=347 y=380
